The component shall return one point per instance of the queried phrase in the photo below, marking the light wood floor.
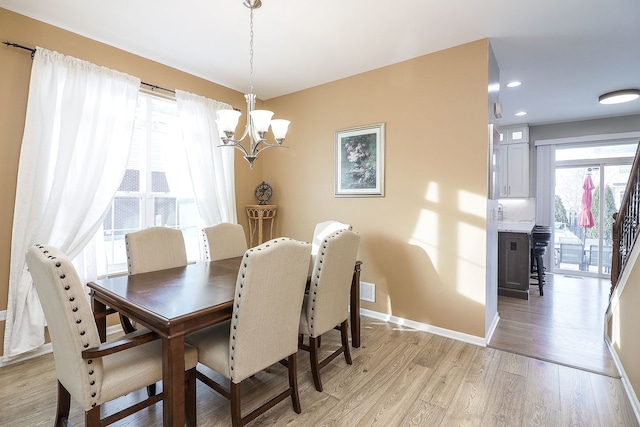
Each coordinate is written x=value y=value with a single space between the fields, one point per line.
x=399 y=377
x=564 y=326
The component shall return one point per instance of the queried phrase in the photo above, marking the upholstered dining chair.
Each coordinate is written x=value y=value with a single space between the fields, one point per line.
x=326 y=305
x=224 y=240
x=152 y=249
x=90 y=372
x=155 y=248
x=263 y=329
x=322 y=230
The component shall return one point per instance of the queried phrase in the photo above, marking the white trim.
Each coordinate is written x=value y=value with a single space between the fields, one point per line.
x=40 y=351
x=3 y=315
x=590 y=138
x=459 y=336
x=47 y=348
x=628 y=388
x=492 y=328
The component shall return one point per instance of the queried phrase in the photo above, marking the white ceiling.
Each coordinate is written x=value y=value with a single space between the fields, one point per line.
x=566 y=52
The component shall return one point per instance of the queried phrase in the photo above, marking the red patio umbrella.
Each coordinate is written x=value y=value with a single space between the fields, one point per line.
x=586 y=217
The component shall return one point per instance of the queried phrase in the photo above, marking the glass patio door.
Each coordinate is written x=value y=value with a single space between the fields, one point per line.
x=585 y=189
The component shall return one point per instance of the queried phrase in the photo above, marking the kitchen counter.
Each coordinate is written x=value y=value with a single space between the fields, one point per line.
x=516 y=226
x=514 y=262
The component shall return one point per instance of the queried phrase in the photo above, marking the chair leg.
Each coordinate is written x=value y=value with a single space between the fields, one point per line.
x=344 y=333
x=234 y=399
x=292 y=366
x=540 y=264
x=92 y=417
x=190 y=397
x=313 y=359
x=64 y=405
x=151 y=390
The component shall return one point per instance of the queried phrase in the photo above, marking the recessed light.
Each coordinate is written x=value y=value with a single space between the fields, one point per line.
x=514 y=84
x=619 y=96
x=521 y=113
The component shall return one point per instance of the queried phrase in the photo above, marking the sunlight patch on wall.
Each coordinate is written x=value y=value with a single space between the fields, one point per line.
x=615 y=328
x=471 y=269
x=425 y=234
x=472 y=204
x=433 y=193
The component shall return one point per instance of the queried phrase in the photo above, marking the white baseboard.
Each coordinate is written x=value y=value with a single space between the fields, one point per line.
x=47 y=348
x=492 y=328
x=628 y=388
x=459 y=336
x=40 y=351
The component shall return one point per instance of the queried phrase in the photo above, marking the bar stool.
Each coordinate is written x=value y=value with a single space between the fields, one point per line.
x=540 y=239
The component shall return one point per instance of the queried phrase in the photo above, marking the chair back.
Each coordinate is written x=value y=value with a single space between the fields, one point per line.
x=155 y=248
x=594 y=253
x=70 y=322
x=266 y=312
x=322 y=230
x=329 y=291
x=224 y=240
x=572 y=253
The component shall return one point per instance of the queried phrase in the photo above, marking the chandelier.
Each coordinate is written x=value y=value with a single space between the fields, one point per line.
x=258 y=121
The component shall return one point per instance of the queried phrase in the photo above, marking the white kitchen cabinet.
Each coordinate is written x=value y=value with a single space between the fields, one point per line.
x=514 y=170
x=514 y=134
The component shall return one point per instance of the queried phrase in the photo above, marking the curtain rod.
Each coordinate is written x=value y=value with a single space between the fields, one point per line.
x=33 y=51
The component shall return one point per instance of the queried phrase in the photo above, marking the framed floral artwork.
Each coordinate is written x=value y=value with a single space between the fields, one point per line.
x=359 y=161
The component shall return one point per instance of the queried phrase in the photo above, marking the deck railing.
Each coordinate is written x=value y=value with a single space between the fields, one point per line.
x=626 y=222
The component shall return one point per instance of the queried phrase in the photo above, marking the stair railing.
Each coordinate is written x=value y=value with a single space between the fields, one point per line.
x=625 y=223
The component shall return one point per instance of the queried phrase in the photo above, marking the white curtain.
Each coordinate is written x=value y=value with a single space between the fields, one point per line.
x=211 y=167
x=74 y=154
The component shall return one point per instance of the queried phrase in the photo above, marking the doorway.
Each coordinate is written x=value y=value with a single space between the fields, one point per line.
x=590 y=181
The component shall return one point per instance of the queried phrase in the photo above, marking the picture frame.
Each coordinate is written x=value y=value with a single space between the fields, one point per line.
x=359 y=161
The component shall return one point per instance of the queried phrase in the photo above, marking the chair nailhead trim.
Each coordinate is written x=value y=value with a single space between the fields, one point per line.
x=75 y=309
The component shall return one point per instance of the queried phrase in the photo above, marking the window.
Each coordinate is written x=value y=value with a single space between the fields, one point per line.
x=607 y=166
x=156 y=188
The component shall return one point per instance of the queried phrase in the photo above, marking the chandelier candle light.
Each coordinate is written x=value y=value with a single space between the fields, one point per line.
x=258 y=121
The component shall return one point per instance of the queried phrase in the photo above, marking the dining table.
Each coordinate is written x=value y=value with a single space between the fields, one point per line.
x=178 y=301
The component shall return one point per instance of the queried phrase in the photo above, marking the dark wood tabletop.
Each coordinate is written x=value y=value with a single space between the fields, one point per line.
x=161 y=298
x=172 y=303
x=177 y=301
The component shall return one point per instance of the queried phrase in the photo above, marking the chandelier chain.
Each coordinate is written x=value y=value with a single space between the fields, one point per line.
x=258 y=121
x=251 y=52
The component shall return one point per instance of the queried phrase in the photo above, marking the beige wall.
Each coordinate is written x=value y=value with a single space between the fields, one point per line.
x=622 y=326
x=15 y=68
x=424 y=243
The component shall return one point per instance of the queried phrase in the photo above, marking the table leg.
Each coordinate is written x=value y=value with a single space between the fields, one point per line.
x=173 y=381
x=355 y=306
x=100 y=317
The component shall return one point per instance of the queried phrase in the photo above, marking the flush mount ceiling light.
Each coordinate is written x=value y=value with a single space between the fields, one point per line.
x=258 y=121
x=514 y=83
x=619 y=96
